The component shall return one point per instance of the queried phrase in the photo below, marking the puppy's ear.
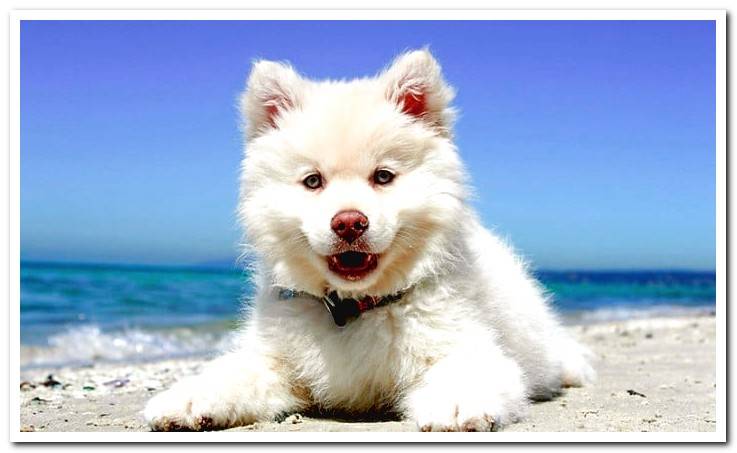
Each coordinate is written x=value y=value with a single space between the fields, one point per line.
x=272 y=89
x=414 y=83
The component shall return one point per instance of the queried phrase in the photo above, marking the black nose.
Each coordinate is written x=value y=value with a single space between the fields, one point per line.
x=349 y=225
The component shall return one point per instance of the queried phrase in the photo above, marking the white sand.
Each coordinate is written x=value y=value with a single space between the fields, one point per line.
x=669 y=363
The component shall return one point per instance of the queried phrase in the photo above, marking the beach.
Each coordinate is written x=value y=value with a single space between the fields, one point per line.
x=655 y=374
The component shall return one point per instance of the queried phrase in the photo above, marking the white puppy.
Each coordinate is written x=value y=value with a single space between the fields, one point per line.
x=377 y=287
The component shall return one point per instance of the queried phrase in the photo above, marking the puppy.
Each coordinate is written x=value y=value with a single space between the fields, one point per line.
x=378 y=289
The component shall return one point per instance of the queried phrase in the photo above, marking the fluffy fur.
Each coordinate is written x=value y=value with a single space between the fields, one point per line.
x=473 y=338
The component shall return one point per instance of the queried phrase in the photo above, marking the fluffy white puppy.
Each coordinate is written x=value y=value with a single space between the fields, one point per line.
x=353 y=198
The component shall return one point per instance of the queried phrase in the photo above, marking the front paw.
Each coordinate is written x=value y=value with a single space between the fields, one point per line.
x=465 y=414
x=468 y=396
x=185 y=408
x=446 y=423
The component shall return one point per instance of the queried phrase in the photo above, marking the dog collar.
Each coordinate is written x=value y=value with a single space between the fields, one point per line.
x=344 y=310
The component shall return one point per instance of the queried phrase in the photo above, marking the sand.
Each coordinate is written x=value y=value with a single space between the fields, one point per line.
x=654 y=375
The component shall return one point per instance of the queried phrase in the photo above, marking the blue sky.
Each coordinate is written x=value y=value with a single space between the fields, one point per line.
x=591 y=144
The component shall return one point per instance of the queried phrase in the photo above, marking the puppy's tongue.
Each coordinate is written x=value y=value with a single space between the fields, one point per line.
x=352 y=265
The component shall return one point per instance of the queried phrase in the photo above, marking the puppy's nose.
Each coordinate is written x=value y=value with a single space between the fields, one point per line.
x=349 y=225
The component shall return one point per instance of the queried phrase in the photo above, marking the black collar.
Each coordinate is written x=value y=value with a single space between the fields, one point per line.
x=343 y=310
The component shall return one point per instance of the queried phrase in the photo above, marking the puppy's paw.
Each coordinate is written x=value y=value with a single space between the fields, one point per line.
x=471 y=408
x=482 y=423
x=468 y=395
x=480 y=414
x=186 y=408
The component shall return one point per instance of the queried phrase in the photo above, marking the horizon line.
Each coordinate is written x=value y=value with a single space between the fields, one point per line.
x=235 y=266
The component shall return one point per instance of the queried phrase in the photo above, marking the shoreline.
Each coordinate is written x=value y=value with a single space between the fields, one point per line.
x=654 y=374
x=90 y=344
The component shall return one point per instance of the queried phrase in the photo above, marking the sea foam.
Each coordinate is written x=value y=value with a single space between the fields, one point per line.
x=84 y=345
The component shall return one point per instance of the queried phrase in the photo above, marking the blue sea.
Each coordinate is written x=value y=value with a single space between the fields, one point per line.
x=80 y=314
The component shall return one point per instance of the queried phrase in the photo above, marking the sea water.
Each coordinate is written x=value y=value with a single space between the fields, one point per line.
x=80 y=314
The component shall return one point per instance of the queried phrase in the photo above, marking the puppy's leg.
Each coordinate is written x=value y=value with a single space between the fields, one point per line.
x=468 y=391
x=239 y=388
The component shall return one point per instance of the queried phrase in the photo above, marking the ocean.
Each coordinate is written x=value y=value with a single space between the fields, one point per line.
x=77 y=314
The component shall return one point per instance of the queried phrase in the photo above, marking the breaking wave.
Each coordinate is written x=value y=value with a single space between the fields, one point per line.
x=85 y=345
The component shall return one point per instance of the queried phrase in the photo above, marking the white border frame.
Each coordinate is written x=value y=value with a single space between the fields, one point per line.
x=719 y=16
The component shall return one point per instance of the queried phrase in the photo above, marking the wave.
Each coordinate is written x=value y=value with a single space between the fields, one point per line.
x=89 y=344
x=624 y=313
x=85 y=345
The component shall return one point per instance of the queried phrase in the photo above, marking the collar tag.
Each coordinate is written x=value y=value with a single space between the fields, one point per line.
x=334 y=304
x=343 y=310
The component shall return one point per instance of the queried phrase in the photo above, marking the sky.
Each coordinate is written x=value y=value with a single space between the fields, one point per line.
x=590 y=144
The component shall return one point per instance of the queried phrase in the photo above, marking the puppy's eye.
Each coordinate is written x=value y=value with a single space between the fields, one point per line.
x=313 y=181
x=383 y=176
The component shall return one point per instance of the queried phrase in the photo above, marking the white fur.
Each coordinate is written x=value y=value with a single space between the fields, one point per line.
x=472 y=339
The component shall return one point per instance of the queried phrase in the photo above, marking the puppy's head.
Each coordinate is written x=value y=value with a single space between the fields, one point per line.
x=353 y=186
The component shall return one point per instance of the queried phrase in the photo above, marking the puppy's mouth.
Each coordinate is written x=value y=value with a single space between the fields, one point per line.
x=353 y=265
